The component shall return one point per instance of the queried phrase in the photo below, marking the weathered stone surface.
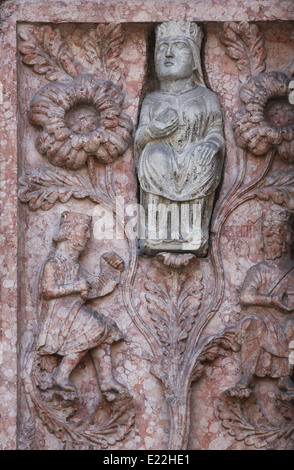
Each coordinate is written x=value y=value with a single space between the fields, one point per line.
x=181 y=356
x=179 y=145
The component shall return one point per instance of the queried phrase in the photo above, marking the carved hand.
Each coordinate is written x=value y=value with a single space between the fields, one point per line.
x=83 y=287
x=206 y=152
x=277 y=303
x=164 y=124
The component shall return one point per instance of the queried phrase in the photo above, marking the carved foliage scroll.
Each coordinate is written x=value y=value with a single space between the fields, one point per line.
x=245 y=44
x=80 y=120
x=174 y=301
x=245 y=421
x=103 y=47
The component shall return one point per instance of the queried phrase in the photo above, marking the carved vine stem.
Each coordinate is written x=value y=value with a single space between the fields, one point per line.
x=127 y=282
x=235 y=194
x=179 y=420
x=229 y=205
x=242 y=166
x=110 y=184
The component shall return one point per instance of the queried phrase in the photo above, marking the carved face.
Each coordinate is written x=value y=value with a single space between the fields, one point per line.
x=274 y=241
x=80 y=236
x=174 y=59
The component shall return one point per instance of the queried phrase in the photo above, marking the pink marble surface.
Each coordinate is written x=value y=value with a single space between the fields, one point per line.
x=26 y=236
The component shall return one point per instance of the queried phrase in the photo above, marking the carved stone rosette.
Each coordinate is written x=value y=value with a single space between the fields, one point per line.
x=179 y=145
x=267 y=119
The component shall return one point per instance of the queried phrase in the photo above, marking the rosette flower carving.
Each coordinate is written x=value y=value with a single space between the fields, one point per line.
x=267 y=119
x=80 y=119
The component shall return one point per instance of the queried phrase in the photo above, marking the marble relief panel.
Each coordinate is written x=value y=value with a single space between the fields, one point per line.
x=123 y=347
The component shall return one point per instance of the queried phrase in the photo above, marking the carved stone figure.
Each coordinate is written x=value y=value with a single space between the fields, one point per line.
x=180 y=145
x=267 y=328
x=69 y=328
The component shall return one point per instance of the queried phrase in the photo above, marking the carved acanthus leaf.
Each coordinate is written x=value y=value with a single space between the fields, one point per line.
x=103 y=46
x=44 y=186
x=173 y=312
x=88 y=436
x=246 y=422
x=211 y=348
x=245 y=44
x=188 y=304
x=279 y=188
x=48 y=53
x=225 y=340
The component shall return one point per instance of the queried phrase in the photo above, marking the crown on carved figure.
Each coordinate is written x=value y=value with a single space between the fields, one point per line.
x=186 y=29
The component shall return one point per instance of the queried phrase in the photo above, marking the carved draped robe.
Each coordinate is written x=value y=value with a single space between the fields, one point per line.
x=170 y=167
x=67 y=325
x=172 y=177
x=264 y=332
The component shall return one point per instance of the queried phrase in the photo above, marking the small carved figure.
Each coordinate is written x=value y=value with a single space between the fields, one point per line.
x=179 y=144
x=69 y=328
x=267 y=329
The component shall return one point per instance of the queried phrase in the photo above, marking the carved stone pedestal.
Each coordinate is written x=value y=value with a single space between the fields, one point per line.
x=172 y=226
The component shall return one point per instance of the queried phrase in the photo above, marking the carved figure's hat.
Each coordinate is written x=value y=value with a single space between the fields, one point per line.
x=68 y=221
x=190 y=31
x=181 y=29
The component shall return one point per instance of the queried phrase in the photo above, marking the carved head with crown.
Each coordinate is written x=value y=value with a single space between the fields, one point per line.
x=177 y=51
